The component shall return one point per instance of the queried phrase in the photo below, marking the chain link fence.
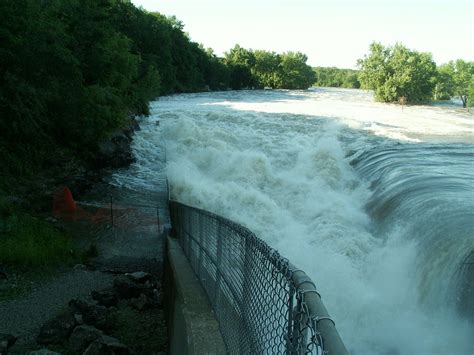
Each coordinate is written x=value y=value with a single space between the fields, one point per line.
x=263 y=304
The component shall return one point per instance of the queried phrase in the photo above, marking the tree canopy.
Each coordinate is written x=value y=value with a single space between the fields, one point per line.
x=260 y=69
x=73 y=71
x=336 y=77
x=396 y=72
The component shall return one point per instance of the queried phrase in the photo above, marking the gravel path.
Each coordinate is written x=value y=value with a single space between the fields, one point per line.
x=24 y=316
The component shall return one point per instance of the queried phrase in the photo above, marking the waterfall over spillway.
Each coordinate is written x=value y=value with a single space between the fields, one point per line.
x=374 y=202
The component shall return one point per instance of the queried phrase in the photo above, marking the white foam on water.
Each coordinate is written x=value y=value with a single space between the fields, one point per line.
x=276 y=162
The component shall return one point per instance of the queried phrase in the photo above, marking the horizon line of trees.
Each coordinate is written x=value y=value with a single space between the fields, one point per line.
x=337 y=77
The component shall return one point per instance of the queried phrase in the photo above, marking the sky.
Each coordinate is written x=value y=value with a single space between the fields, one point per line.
x=330 y=33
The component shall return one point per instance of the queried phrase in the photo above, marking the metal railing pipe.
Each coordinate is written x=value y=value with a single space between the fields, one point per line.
x=317 y=312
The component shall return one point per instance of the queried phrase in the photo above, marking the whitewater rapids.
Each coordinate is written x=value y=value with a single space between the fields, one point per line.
x=374 y=202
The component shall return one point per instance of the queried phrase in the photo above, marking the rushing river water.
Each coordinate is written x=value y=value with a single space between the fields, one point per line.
x=374 y=202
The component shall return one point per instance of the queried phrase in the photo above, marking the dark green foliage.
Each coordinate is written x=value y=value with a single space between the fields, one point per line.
x=454 y=79
x=260 y=69
x=335 y=77
x=470 y=95
x=397 y=72
x=73 y=71
x=240 y=62
x=444 y=88
x=296 y=74
x=462 y=73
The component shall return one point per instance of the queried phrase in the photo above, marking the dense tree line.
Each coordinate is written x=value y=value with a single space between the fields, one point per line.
x=72 y=71
x=335 y=77
x=263 y=69
x=400 y=74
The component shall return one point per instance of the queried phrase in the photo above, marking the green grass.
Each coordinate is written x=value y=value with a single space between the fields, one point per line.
x=28 y=242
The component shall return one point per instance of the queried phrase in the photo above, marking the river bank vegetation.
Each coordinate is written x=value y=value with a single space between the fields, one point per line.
x=398 y=74
x=336 y=77
x=73 y=73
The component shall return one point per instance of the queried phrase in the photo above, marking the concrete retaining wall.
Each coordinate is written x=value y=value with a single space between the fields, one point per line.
x=192 y=326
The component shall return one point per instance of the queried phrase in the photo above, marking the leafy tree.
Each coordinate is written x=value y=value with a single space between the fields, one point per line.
x=462 y=73
x=240 y=62
x=267 y=69
x=296 y=73
x=396 y=72
x=454 y=79
x=444 y=88
x=470 y=100
x=335 y=77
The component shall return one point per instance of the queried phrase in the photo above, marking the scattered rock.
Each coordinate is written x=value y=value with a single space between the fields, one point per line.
x=57 y=330
x=140 y=303
x=43 y=352
x=6 y=341
x=98 y=317
x=95 y=315
x=82 y=337
x=126 y=288
x=81 y=267
x=105 y=298
x=139 y=276
x=107 y=345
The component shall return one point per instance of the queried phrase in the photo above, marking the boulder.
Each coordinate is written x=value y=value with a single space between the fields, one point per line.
x=80 y=267
x=107 y=345
x=95 y=315
x=126 y=288
x=139 y=276
x=6 y=341
x=82 y=337
x=57 y=330
x=140 y=303
x=105 y=298
x=98 y=316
